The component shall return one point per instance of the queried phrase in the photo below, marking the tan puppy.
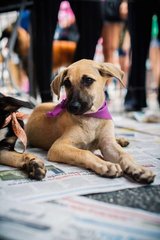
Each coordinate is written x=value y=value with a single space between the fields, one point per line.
x=71 y=136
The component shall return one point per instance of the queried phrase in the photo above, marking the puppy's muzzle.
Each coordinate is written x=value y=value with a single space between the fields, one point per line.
x=74 y=107
x=77 y=107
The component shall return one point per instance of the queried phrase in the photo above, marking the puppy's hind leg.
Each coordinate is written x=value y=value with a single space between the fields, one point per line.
x=26 y=161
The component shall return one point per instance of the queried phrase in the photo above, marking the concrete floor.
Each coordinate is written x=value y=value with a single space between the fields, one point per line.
x=145 y=198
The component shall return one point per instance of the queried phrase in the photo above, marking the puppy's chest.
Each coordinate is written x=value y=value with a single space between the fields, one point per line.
x=90 y=131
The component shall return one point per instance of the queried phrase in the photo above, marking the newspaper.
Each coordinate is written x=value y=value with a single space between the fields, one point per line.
x=63 y=180
x=76 y=218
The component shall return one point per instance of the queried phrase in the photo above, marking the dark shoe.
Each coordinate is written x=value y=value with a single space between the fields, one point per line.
x=135 y=100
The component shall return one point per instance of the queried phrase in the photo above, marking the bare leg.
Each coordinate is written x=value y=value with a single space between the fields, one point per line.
x=25 y=161
x=111 y=37
x=155 y=63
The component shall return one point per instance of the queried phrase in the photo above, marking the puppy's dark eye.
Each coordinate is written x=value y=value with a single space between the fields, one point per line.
x=67 y=83
x=87 y=81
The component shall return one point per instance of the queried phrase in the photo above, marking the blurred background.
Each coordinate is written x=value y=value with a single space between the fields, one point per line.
x=25 y=72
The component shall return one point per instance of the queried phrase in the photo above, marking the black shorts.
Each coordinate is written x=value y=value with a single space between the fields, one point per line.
x=110 y=10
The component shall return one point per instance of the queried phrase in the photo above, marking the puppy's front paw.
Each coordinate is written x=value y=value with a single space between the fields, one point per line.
x=139 y=173
x=36 y=169
x=34 y=166
x=108 y=169
x=143 y=175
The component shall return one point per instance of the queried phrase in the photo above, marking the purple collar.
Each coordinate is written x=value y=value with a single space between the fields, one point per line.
x=102 y=112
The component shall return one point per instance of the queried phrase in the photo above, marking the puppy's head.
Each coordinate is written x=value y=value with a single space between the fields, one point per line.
x=84 y=83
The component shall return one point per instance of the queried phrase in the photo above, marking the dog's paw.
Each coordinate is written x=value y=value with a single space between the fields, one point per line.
x=36 y=169
x=123 y=142
x=138 y=173
x=108 y=169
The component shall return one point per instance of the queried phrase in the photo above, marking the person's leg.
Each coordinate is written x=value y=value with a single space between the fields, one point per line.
x=155 y=60
x=125 y=47
x=124 y=54
x=89 y=22
x=158 y=79
x=140 y=31
x=44 y=23
x=111 y=38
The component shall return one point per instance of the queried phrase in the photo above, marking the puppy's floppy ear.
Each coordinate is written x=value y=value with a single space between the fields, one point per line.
x=110 y=70
x=57 y=82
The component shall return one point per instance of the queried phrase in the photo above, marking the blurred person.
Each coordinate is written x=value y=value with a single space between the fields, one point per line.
x=66 y=26
x=116 y=42
x=124 y=50
x=89 y=21
x=44 y=18
x=115 y=16
x=65 y=38
x=44 y=22
x=139 y=24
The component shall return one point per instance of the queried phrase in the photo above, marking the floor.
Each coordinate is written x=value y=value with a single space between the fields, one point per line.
x=146 y=198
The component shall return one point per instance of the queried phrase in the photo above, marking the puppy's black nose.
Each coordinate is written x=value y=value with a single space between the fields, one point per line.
x=74 y=107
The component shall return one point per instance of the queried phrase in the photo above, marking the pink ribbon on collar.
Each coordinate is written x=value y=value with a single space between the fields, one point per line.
x=102 y=113
x=17 y=129
x=60 y=107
